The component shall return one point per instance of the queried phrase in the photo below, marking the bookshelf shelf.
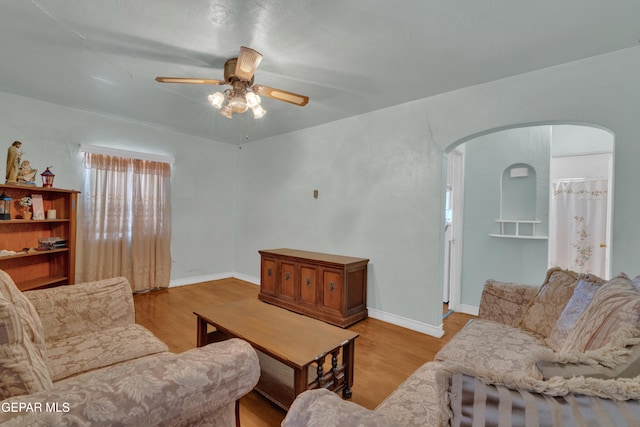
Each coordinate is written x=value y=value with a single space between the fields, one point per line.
x=35 y=269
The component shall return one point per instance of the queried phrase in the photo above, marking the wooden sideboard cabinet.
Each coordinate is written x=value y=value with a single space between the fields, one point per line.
x=36 y=269
x=332 y=288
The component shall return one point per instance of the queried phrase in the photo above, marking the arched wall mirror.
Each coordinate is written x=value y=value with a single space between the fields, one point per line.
x=514 y=203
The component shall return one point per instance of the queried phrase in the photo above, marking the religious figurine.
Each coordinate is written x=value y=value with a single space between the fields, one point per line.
x=14 y=155
x=27 y=175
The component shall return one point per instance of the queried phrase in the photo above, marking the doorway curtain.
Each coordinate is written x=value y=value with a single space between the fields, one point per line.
x=578 y=225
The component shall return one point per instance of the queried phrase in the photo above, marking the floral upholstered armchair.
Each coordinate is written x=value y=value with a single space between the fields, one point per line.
x=74 y=356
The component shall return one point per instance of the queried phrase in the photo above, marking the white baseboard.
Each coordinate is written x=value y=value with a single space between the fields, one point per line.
x=469 y=309
x=208 y=277
x=425 y=328
x=435 y=331
x=199 y=279
x=251 y=279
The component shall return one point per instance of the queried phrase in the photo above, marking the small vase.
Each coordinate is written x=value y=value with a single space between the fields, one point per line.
x=26 y=214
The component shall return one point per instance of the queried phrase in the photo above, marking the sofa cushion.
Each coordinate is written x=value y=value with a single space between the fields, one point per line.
x=475 y=402
x=67 y=311
x=505 y=302
x=545 y=308
x=22 y=369
x=85 y=352
x=614 y=312
x=489 y=346
x=27 y=314
x=588 y=285
x=628 y=368
x=625 y=318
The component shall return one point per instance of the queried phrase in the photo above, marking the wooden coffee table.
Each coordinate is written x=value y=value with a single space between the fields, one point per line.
x=297 y=353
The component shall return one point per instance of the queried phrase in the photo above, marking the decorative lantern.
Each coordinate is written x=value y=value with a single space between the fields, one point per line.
x=5 y=207
x=47 y=178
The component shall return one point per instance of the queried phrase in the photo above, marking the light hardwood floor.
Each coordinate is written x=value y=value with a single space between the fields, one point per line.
x=385 y=354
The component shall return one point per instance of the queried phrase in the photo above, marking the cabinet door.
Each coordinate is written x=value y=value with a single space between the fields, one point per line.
x=268 y=276
x=287 y=280
x=332 y=289
x=308 y=286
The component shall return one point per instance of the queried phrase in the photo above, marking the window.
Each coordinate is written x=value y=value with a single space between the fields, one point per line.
x=126 y=220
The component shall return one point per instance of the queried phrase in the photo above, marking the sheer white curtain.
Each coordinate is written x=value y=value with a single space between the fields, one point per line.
x=578 y=225
x=126 y=221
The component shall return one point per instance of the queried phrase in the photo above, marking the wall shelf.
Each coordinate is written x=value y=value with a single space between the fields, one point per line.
x=511 y=236
x=513 y=229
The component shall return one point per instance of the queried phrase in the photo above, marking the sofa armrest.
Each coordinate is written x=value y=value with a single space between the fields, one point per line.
x=422 y=399
x=505 y=302
x=66 y=311
x=322 y=408
x=165 y=390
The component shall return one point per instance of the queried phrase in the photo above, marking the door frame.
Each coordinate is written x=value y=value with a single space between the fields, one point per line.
x=455 y=161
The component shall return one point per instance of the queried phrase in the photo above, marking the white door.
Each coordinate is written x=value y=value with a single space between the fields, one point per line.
x=579 y=212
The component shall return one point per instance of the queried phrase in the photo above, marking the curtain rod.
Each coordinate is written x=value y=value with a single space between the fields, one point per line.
x=154 y=157
x=577 y=179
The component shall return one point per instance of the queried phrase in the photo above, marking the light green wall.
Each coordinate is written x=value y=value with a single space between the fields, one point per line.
x=510 y=260
x=573 y=140
x=203 y=177
x=376 y=200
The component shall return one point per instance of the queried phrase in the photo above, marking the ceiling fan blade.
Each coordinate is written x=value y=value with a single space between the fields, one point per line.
x=190 y=80
x=248 y=61
x=281 y=95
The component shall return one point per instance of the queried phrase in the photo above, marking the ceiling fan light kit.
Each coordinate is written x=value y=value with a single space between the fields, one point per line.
x=239 y=73
x=238 y=100
x=216 y=99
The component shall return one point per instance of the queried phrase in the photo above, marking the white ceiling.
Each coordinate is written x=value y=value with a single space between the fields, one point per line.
x=348 y=56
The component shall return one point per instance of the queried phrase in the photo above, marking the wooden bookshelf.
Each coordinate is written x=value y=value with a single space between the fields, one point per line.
x=36 y=269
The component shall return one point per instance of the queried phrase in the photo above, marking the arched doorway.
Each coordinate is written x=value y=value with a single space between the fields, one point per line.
x=485 y=244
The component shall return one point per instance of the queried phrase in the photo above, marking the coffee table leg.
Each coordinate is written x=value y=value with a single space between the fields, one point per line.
x=202 y=332
x=347 y=359
x=300 y=380
x=237 y=413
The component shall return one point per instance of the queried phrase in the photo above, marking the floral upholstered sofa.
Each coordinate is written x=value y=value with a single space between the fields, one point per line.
x=74 y=356
x=563 y=353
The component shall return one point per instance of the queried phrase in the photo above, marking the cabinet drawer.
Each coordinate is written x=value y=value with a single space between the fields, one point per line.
x=287 y=280
x=268 y=276
x=332 y=289
x=308 y=287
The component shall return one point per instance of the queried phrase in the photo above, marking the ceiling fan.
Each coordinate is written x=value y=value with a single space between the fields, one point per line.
x=238 y=73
